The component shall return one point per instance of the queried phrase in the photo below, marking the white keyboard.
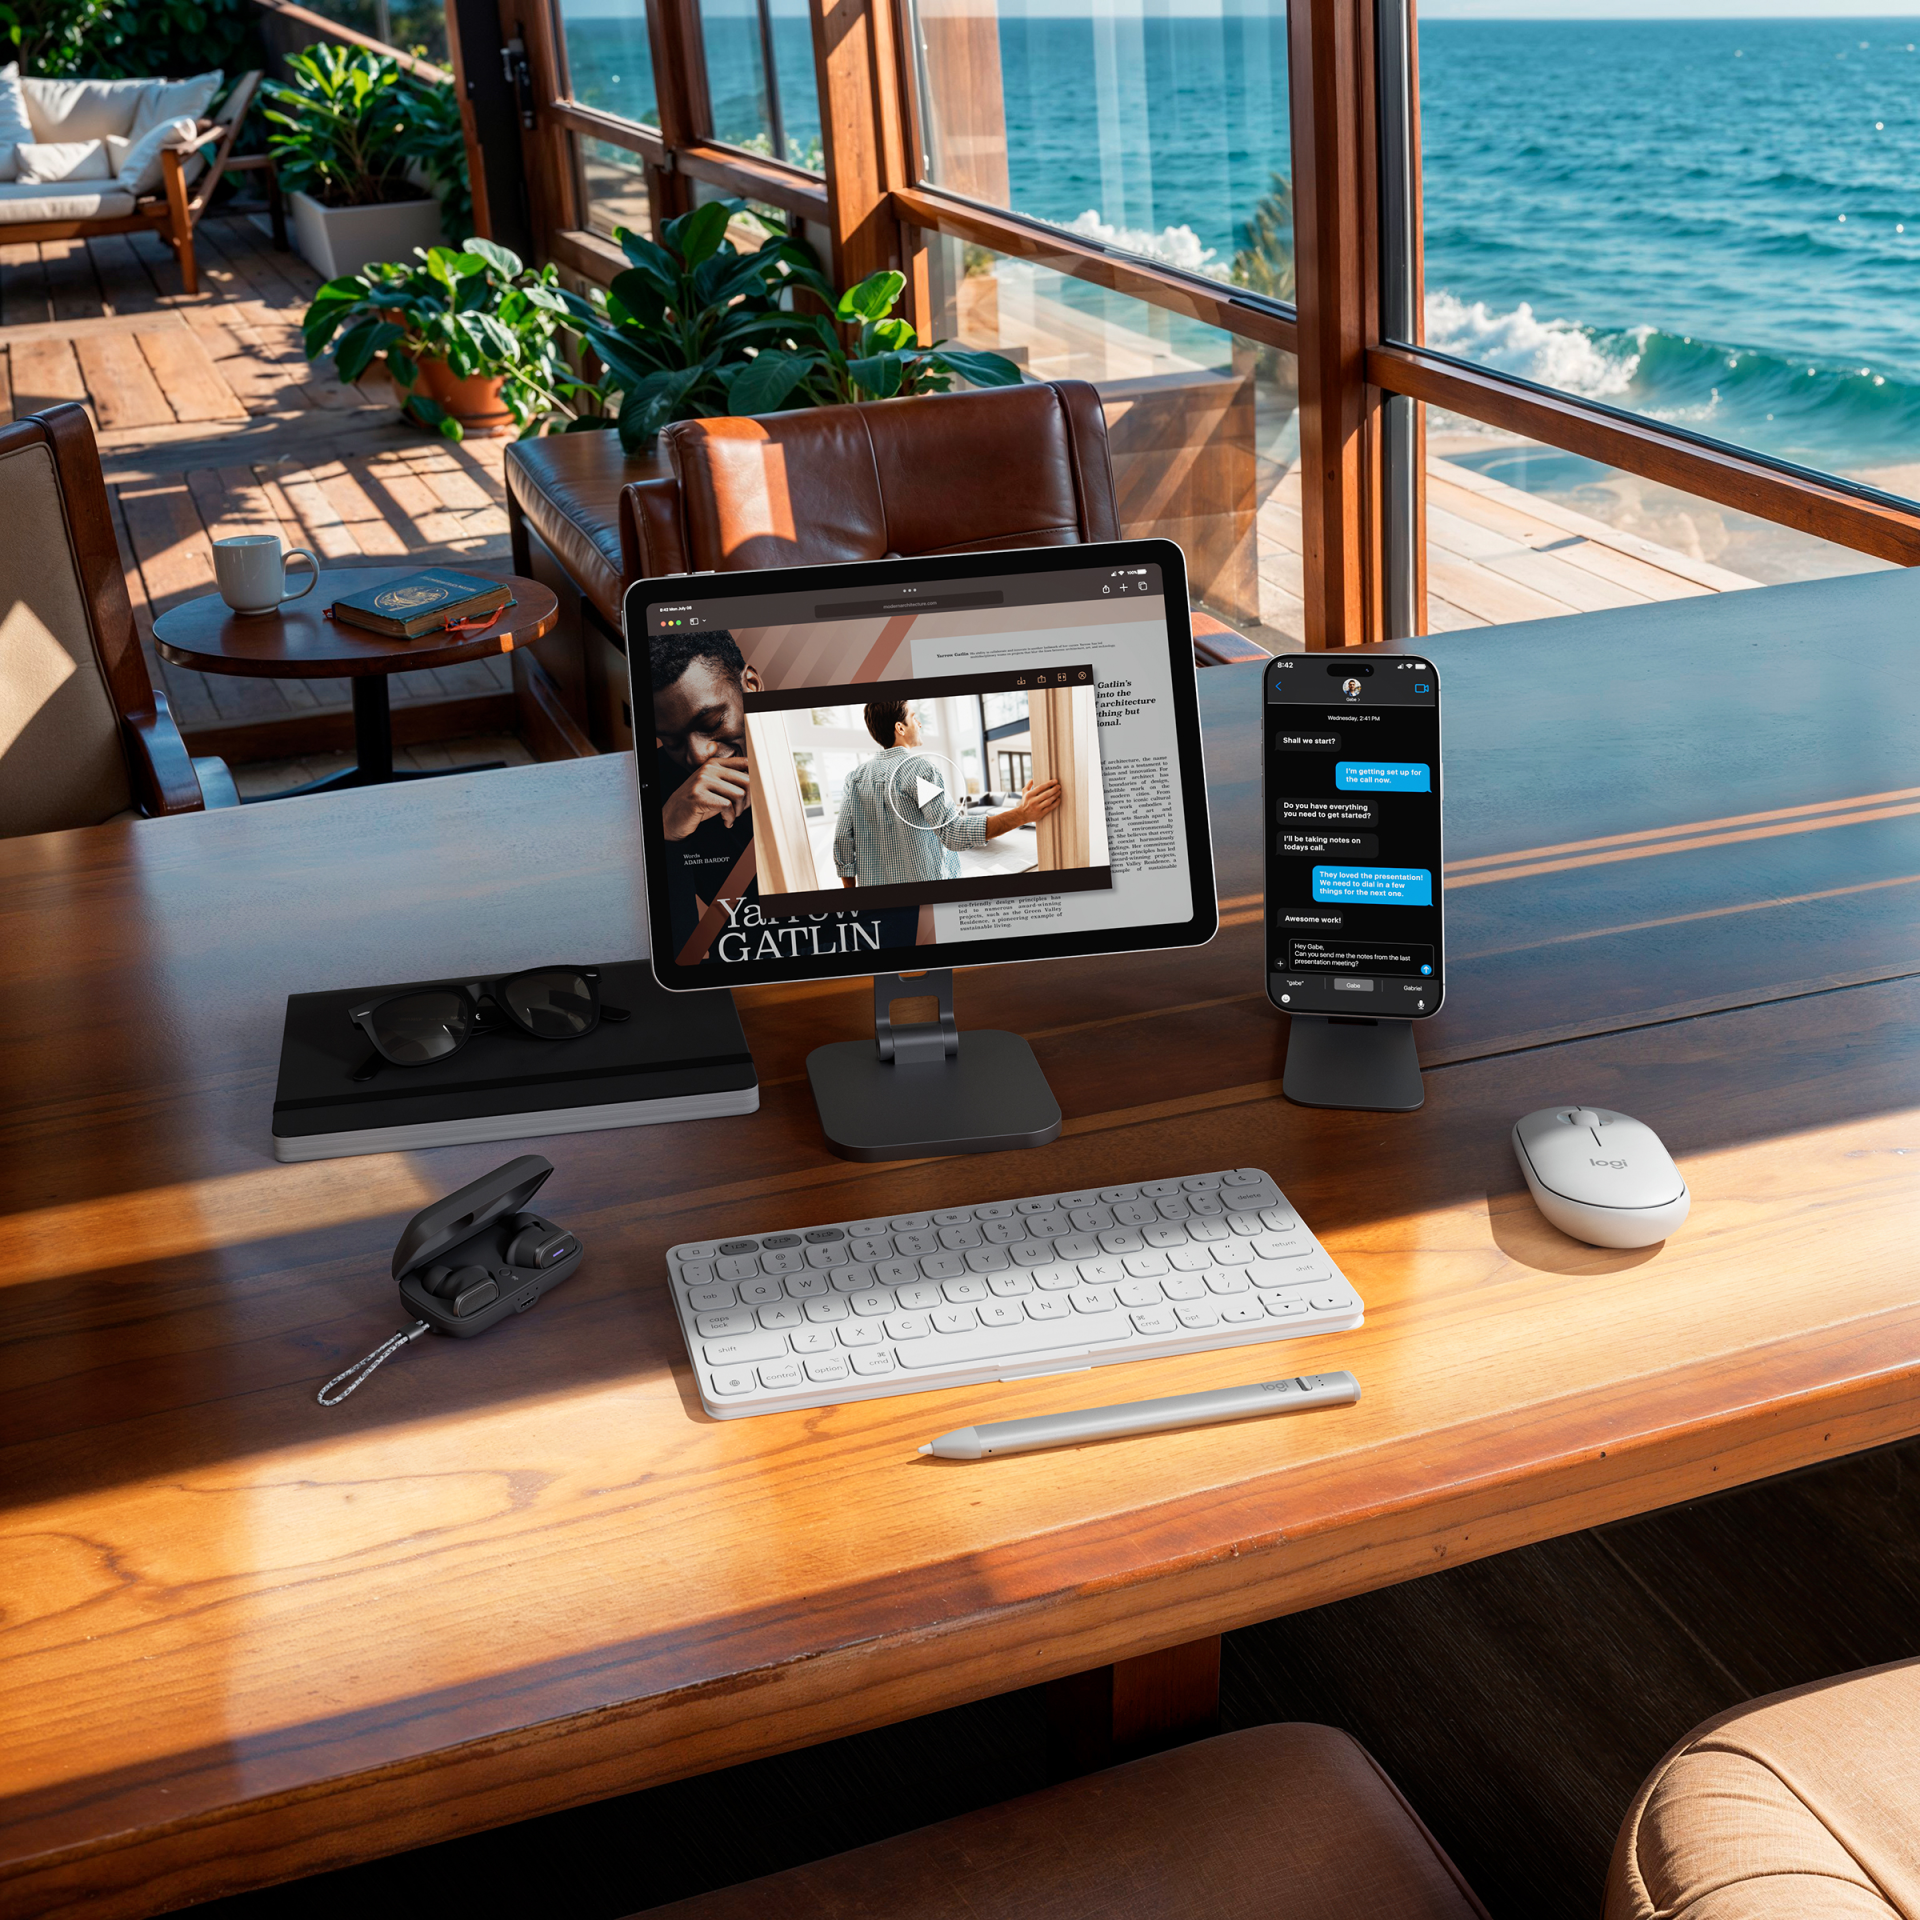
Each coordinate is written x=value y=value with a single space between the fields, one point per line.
x=1056 y=1283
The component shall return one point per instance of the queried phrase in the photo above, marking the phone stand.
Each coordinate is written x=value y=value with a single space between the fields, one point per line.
x=914 y=1091
x=1364 y=1066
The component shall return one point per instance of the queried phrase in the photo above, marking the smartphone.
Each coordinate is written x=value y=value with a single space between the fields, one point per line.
x=1351 y=800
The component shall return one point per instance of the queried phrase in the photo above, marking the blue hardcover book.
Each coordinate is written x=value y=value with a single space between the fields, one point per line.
x=422 y=602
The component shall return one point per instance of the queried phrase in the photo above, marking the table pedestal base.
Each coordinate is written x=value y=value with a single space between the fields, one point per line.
x=372 y=749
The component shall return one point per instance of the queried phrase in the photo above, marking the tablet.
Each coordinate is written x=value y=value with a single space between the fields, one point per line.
x=903 y=764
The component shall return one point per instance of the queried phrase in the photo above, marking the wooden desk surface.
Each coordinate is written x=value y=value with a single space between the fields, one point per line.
x=247 y=1637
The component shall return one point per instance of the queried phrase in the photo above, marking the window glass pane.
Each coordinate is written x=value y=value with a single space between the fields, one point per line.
x=1521 y=531
x=781 y=120
x=609 y=58
x=1201 y=422
x=1158 y=127
x=1713 y=222
x=613 y=187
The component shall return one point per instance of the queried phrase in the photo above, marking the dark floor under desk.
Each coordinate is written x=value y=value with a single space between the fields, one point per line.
x=1517 y=1701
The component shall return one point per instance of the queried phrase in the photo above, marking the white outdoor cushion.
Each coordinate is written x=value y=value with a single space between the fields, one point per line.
x=14 y=124
x=50 y=161
x=172 y=99
x=20 y=202
x=81 y=109
x=136 y=162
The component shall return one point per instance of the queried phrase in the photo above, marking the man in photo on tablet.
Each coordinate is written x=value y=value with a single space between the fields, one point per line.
x=899 y=823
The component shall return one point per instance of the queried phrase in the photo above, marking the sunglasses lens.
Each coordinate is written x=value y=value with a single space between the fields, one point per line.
x=420 y=1027
x=558 y=1004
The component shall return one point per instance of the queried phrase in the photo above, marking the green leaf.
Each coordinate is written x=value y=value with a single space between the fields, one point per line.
x=629 y=357
x=978 y=368
x=873 y=298
x=880 y=374
x=766 y=380
x=354 y=351
x=640 y=292
x=889 y=336
x=402 y=366
x=507 y=264
x=702 y=230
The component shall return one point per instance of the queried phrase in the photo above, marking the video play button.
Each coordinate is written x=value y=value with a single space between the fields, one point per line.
x=921 y=791
x=925 y=790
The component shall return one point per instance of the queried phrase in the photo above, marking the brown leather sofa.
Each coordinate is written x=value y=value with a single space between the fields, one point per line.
x=1020 y=466
x=1272 y=1823
x=1804 y=1805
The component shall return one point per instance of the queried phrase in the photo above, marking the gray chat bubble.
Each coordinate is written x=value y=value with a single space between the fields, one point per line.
x=1334 y=811
x=1345 y=846
x=1307 y=743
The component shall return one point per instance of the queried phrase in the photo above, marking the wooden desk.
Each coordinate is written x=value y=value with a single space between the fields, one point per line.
x=249 y=1638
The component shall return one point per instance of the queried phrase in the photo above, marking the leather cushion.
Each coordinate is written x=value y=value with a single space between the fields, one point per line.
x=939 y=473
x=1800 y=1806
x=568 y=487
x=1274 y=1823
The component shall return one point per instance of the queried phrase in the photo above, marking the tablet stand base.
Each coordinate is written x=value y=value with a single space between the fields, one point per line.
x=915 y=1091
x=1364 y=1066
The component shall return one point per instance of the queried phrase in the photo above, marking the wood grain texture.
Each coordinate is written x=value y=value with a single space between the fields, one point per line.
x=250 y=1638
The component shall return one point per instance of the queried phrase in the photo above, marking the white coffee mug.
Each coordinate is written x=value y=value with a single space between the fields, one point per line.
x=252 y=575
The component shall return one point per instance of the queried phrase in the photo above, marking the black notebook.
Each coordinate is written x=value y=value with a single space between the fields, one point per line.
x=679 y=1057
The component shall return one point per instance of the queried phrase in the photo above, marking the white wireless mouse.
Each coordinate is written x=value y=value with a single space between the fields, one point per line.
x=1602 y=1177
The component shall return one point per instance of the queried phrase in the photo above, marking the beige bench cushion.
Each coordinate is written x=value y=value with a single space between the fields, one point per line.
x=61 y=761
x=81 y=109
x=1274 y=1823
x=1801 y=1806
x=90 y=200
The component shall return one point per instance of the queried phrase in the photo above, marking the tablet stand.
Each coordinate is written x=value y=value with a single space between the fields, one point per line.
x=1365 y=1066
x=929 y=1089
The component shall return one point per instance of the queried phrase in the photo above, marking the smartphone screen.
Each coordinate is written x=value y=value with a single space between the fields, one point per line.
x=1352 y=806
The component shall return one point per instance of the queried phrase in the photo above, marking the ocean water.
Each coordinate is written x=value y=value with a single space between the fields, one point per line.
x=1713 y=222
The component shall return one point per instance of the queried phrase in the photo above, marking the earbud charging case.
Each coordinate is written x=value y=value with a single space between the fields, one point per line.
x=470 y=1229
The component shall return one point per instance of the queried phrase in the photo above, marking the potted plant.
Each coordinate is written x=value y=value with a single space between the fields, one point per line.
x=347 y=142
x=469 y=336
x=694 y=327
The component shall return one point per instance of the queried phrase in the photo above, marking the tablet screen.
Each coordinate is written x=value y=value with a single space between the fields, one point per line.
x=878 y=768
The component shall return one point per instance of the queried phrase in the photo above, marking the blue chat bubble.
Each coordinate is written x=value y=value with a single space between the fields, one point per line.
x=1377 y=776
x=1374 y=886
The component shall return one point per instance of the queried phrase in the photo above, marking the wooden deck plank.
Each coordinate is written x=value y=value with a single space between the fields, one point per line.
x=125 y=284
x=72 y=286
x=188 y=377
x=125 y=393
x=374 y=532
x=302 y=503
x=283 y=280
x=1477 y=590
x=186 y=691
x=44 y=373
x=23 y=284
x=162 y=269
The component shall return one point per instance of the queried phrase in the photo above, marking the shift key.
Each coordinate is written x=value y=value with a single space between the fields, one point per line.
x=746 y=1350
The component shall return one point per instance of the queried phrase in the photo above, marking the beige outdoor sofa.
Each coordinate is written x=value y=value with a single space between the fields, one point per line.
x=85 y=157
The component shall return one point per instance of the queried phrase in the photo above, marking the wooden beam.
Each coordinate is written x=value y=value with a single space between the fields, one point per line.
x=1133 y=1707
x=1882 y=526
x=1336 y=251
x=332 y=30
x=858 y=70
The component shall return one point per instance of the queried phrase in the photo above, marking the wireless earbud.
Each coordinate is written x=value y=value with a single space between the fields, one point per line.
x=538 y=1243
x=468 y=1288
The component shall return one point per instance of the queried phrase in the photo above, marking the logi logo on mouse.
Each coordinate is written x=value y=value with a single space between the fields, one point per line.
x=1621 y=1165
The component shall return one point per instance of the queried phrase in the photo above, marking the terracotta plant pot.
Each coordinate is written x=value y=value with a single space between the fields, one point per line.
x=475 y=403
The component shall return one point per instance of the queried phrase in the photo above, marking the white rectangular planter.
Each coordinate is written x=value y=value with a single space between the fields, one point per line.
x=341 y=240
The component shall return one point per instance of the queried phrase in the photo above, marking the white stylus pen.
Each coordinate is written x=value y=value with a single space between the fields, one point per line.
x=1147 y=1416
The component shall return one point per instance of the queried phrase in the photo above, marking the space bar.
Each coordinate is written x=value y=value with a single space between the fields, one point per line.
x=1012 y=1343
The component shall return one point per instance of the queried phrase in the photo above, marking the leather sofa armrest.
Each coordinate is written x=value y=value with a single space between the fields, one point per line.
x=162 y=767
x=651 y=542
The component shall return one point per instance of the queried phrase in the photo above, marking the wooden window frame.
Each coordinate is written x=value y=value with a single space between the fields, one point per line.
x=878 y=212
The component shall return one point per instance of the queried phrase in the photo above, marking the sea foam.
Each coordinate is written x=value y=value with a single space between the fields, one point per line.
x=1552 y=353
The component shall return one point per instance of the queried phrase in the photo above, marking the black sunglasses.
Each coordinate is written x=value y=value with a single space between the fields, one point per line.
x=432 y=1023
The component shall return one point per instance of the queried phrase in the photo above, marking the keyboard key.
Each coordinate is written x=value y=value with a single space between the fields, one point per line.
x=1048 y=1306
x=1121 y=1240
x=1282 y=1246
x=965 y=1290
x=739 y=1246
x=1156 y=1189
x=913 y=1245
x=1139 y=1293
x=827 y=1255
x=1197 y=1317
x=1034 y=1206
x=1033 y=1253
x=1246 y=1225
x=710 y=1299
x=1235 y=1312
x=907 y=1326
x=988 y=1260
x=737 y=1267
x=1057 y=1279
x=867 y=1229
x=1201 y=1204
x=1279 y=1219
x=745 y=1350
x=994 y=1210
x=783 y=1260
x=779 y=1319
x=1334 y=1300
x=1069 y=1201
x=1287 y=1273
x=1091 y=1219
x=1092 y=1299
x=1154 y=1320
x=1202 y=1183
x=943 y=1266
x=896 y=1273
x=1244 y=1177
x=1003 y=1233
x=879 y=1360
x=828 y=1370
x=996 y=1313
x=1136 y=1213
x=1146 y=1266
x=818 y=1236
x=1073 y=1332
x=806 y=1286
x=958 y=1239
x=1009 y=1286
x=812 y=1340
x=696 y=1273
x=910 y=1223
x=779 y=1240
x=1189 y=1260
x=826 y=1310
x=920 y=1293
x=1076 y=1246
x=712 y=1325
x=872 y=1247
x=854 y=1279
x=786 y=1374
x=861 y=1333
x=761 y=1293
x=1168 y=1233
x=1206 y=1232
x=1101 y=1273
x=700 y=1251
x=1283 y=1305
x=1228 y=1280
x=1184 y=1286
x=875 y=1300
x=954 y=1319
x=1049 y=1225
x=731 y=1380
x=1173 y=1208
x=953 y=1217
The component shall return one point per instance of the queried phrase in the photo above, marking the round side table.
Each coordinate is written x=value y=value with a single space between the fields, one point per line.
x=298 y=642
